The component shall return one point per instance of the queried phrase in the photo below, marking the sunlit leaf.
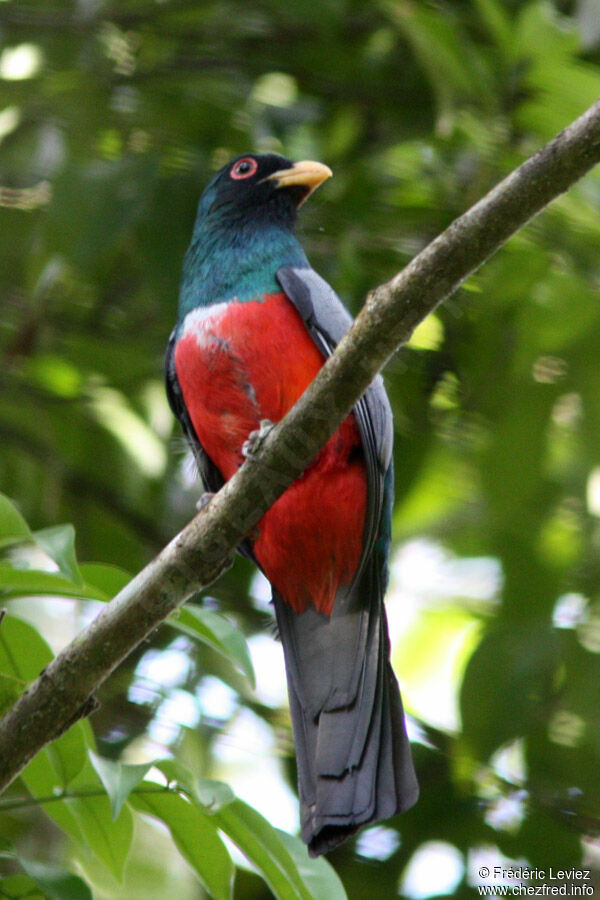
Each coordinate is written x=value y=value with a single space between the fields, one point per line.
x=119 y=779
x=87 y=815
x=260 y=842
x=34 y=582
x=208 y=793
x=13 y=527
x=216 y=631
x=59 y=544
x=318 y=875
x=108 y=838
x=195 y=835
x=108 y=579
x=23 y=652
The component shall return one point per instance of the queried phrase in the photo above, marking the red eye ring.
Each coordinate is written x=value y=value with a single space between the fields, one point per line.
x=244 y=168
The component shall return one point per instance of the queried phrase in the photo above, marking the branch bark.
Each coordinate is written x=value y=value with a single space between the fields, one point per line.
x=196 y=556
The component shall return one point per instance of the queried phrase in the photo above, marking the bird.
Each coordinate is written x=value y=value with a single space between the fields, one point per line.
x=255 y=323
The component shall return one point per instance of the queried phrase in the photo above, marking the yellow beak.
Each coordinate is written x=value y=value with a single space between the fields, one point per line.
x=304 y=174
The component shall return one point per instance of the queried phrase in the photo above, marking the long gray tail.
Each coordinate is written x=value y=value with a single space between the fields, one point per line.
x=353 y=753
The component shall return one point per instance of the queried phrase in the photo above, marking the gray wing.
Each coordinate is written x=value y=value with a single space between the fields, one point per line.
x=327 y=321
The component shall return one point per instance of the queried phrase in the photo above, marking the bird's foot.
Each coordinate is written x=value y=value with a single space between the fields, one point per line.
x=256 y=439
x=204 y=500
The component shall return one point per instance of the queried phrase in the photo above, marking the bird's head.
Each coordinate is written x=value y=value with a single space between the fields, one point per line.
x=244 y=230
x=260 y=188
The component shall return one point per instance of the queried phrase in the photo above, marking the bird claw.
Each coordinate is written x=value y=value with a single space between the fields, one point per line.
x=256 y=438
x=204 y=500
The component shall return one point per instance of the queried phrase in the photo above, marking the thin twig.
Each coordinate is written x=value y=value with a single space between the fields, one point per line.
x=81 y=794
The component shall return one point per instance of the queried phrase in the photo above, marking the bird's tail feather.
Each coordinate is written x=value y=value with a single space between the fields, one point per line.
x=353 y=754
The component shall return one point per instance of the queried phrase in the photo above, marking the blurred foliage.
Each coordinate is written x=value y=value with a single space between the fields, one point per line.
x=112 y=117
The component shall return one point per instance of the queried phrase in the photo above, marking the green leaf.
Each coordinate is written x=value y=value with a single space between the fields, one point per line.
x=43 y=784
x=56 y=883
x=19 y=887
x=68 y=753
x=212 y=795
x=23 y=652
x=13 y=527
x=453 y=66
x=195 y=835
x=497 y=21
x=318 y=875
x=10 y=690
x=108 y=579
x=119 y=779
x=219 y=633
x=86 y=816
x=35 y=582
x=110 y=839
x=59 y=543
x=506 y=682
x=261 y=844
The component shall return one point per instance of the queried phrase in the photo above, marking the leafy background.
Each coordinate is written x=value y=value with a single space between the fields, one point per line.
x=112 y=117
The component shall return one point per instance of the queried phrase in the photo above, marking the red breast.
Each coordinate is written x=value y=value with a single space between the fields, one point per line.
x=238 y=363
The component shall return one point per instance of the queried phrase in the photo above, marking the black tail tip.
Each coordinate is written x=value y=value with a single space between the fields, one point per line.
x=329 y=837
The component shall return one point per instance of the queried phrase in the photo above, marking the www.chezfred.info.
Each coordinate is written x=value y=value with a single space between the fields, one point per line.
x=516 y=882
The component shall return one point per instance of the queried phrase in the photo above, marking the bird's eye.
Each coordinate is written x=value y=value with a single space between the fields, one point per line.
x=244 y=168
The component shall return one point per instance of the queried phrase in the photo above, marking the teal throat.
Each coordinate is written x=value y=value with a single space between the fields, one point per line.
x=237 y=261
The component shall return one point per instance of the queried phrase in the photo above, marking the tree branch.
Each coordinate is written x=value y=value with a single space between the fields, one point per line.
x=199 y=553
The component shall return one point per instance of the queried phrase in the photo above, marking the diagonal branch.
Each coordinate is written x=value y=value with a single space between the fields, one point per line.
x=199 y=553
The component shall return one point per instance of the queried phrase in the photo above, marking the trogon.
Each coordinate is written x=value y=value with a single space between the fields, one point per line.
x=255 y=324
